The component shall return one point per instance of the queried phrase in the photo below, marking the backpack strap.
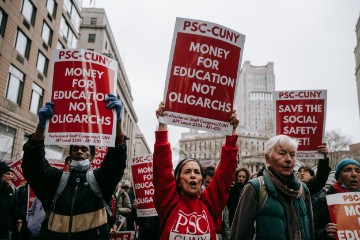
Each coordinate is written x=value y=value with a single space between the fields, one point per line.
x=261 y=192
x=94 y=186
x=62 y=183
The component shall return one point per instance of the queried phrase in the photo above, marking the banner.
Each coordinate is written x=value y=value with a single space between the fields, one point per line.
x=301 y=115
x=81 y=80
x=17 y=173
x=100 y=153
x=124 y=235
x=344 y=209
x=142 y=173
x=202 y=75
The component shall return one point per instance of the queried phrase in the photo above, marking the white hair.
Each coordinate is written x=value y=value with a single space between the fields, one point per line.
x=283 y=140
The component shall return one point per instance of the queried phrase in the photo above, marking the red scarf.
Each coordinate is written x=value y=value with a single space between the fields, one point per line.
x=339 y=189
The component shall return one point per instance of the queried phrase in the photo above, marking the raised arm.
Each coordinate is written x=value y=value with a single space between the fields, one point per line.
x=217 y=193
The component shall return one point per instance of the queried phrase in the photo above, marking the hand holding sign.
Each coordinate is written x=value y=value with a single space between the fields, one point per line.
x=323 y=149
x=331 y=229
x=234 y=121
x=45 y=113
x=114 y=103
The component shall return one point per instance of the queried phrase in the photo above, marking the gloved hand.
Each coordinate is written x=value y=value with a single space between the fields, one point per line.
x=114 y=103
x=45 y=113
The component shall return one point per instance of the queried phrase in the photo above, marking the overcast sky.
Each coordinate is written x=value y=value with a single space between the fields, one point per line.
x=310 y=42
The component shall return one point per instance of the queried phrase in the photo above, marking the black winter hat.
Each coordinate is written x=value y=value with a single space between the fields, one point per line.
x=4 y=168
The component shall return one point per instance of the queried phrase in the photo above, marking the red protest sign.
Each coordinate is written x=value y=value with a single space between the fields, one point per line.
x=81 y=80
x=124 y=235
x=17 y=173
x=301 y=114
x=142 y=173
x=202 y=75
x=344 y=209
x=100 y=153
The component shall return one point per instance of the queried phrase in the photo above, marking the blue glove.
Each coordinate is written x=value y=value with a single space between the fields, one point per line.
x=114 y=103
x=45 y=113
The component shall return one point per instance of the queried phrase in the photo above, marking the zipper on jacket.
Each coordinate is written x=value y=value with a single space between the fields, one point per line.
x=72 y=207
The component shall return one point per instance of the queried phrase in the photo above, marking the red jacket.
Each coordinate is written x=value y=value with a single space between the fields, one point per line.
x=184 y=216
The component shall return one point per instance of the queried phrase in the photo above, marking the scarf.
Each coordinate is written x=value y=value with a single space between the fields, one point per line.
x=339 y=188
x=291 y=194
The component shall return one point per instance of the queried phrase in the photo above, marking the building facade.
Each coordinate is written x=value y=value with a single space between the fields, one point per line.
x=357 y=59
x=29 y=31
x=254 y=98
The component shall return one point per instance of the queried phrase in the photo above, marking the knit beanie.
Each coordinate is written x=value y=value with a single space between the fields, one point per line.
x=4 y=168
x=181 y=164
x=343 y=163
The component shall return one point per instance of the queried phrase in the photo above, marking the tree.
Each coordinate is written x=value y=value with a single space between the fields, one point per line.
x=337 y=143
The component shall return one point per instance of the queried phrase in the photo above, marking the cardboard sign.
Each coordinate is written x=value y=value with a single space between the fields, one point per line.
x=124 y=235
x=202 y=75
x=344 y=209
x=208 y=163
x=81 y=80
x=100 y=153
x=142 y=173
x=17 y=173
x=301 y=115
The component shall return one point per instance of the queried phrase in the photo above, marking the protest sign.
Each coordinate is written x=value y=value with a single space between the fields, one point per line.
x=142 y=173
x=202 y=75
x=31 y=198
x=301 y=115
x=81 y=80
x=100 y=153
x=344 y=209
x=124 y=235
x=58 y=163
x=17 y=173
x=207 y=163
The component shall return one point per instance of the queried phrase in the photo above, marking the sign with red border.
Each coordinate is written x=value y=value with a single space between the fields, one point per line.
x=202 y=75
x=344 y=209
x=301 y=115
x=142 y=173
x=81 y=80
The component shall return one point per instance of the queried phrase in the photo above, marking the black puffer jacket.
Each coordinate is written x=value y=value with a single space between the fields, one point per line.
x=78 y=213
x=7 y=207
x=321 y=215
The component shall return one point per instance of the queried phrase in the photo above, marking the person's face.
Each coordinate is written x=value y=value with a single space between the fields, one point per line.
x=304 y=175
x=282 y=159
x=6 y=177
x=80 y=152
x=190 y=179
x=207 y=180
x=350 y=176
x=241 y=177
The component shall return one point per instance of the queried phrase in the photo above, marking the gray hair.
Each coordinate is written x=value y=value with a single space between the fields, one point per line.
x=283 y=140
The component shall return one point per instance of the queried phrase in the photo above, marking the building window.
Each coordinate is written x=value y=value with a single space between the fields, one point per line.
x=15 y=85
x=51 y=6
x=7 y=138
x=3 y=19
x=73 y=13
x=42 y=63
x=67 y=33
x=47 y=34
x=93 y=21
x=22 y=44
x=36 y=98
x=91 y=38
x=28 y=10
x=59 y=45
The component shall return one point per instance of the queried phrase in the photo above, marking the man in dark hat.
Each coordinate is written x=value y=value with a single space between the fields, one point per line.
x=7 y=203
x=347 y=177
x=78 y=213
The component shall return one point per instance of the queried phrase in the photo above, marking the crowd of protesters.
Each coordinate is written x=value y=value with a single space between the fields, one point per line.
x=218 y=202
